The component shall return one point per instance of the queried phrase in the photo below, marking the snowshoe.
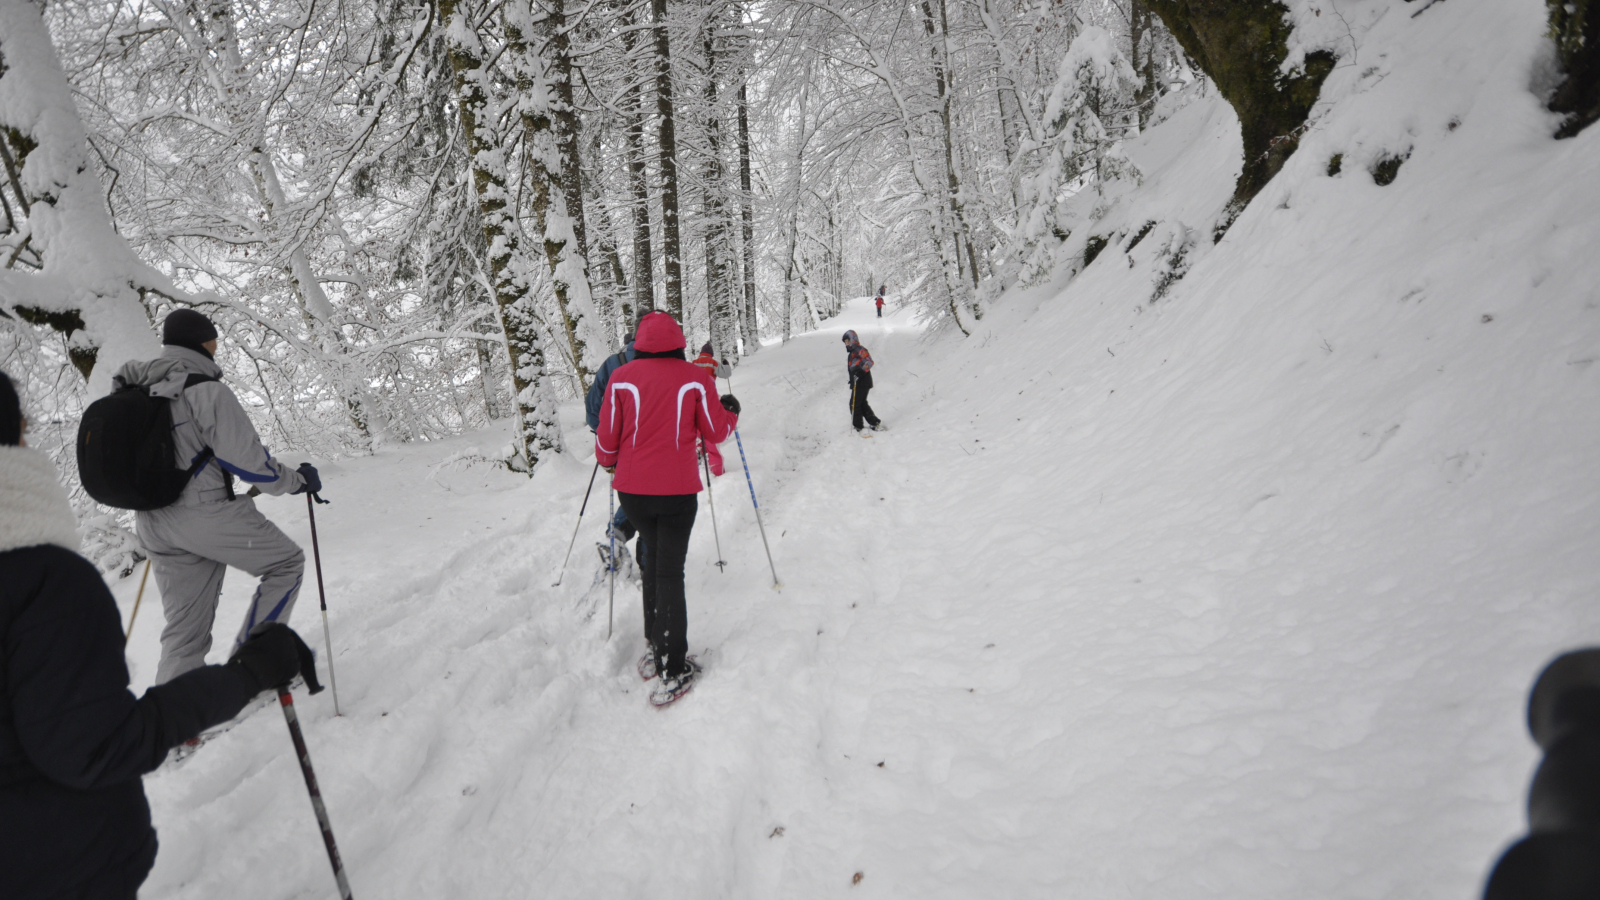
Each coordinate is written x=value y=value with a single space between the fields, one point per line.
x=668 y=690
x=647 y=667
x=624 y=562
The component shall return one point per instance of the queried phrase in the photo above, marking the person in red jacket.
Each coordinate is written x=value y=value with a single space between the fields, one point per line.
x=655 y=409
x=708 y=360
x=879 y=302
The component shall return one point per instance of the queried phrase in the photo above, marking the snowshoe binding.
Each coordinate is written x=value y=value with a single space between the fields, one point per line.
x=669 y=689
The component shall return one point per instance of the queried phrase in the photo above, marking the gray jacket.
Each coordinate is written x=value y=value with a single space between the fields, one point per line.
x=208 y=415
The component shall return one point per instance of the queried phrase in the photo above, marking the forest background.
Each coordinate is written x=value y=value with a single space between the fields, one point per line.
x=410 y=218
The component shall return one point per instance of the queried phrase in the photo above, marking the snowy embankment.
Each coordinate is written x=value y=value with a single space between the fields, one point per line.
x=1232 y=595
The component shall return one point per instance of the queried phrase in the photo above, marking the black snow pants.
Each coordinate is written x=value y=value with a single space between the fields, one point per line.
x=859 y=409
x=664 y=523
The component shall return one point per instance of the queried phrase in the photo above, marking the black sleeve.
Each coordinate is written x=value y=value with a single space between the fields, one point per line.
x=74 y=715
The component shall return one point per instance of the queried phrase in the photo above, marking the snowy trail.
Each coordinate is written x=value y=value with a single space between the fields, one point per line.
x=1093 y=652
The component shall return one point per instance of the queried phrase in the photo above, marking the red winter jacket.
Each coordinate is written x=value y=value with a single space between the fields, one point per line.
x=653 y=411
x=706 y=361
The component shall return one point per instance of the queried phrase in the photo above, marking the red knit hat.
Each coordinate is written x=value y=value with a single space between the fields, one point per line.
x=658 y=333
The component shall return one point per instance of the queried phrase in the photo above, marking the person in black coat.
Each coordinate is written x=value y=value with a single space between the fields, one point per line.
x=74 y=741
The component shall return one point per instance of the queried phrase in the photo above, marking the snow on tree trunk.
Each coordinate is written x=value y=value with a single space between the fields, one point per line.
x=667 y=138
x=720 y=310
x=539 y=429
x=550 y=129
x=79 y=277
x=638 y=183
x=748 y=324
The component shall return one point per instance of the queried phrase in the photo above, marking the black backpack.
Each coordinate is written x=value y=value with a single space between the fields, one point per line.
x=126 y=448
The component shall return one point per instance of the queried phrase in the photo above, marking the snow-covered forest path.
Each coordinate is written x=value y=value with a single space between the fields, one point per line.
x=493 y=744
x=1068 y=628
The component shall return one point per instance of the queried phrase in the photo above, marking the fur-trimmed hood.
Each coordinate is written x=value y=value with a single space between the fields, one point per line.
x=33 y=505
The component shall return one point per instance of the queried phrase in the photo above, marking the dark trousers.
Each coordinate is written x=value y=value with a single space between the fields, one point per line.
x=880 y=312
x=664 y=523
x=859 y=408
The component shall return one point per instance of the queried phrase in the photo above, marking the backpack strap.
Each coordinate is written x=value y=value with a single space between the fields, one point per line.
x=207 y=455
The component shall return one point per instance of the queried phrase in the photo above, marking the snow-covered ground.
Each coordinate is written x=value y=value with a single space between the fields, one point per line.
x=1235 y=594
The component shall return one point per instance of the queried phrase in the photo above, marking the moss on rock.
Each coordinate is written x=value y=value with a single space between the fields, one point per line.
x=1241 y=45
x=1092 y=248
x=1387 y=168
x=1575 y=29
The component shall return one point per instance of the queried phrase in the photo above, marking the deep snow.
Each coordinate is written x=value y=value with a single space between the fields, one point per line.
x=1235 y=594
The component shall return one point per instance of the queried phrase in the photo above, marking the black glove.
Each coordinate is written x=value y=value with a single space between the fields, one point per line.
x=313 y=483
x=730 y=403
x=271 y=657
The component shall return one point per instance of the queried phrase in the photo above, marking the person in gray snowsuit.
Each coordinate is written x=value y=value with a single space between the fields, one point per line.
x=192 y=542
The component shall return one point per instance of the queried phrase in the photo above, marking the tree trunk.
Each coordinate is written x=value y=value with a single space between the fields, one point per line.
x=538 y=427
x=671 y=247
x=748 y=324
x=942 y=82
x=639 y=190
x=720 y=312
x=1143 y=65
x=611 y=282
x=550 y=129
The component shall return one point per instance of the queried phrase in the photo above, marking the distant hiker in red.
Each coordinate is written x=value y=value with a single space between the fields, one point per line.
x=654 y=410
x=859 y=364
x=708 y=360
x=879 y=302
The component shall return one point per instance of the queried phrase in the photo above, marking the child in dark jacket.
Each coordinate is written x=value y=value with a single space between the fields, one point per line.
x=859 y=364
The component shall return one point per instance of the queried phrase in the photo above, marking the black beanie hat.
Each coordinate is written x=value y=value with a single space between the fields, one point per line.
x=10 y=413
x=187 y=328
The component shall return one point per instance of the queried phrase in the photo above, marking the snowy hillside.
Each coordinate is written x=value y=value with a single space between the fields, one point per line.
x=1231 y=594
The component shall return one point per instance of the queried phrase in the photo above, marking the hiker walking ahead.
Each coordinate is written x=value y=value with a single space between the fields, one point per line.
x=655 y=408
x=859 y=364
x=879 y=302
x=708 y=360
x=192 y=542
x=620 y=527
x=74 y=741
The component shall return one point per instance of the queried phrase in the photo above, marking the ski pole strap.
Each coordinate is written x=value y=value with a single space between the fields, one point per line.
x=318 y=498
x=746 y=463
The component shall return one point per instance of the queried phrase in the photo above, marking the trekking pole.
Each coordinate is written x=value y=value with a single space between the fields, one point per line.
x=563 y=573
x=705 y=463
x=611 y=601
x=287 y=702
x=776 y=584
x=322 y=595
x=137 y=597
